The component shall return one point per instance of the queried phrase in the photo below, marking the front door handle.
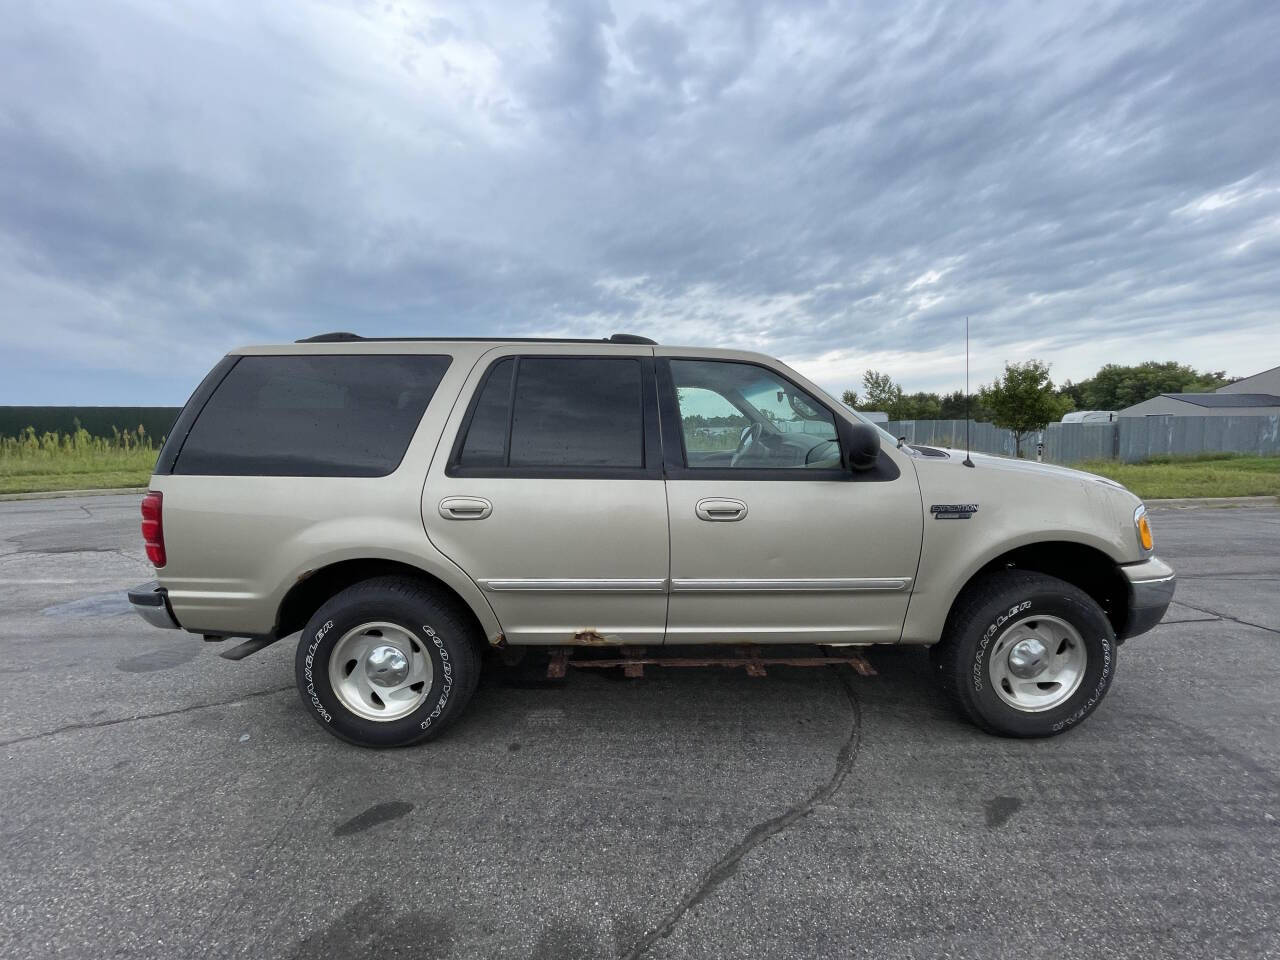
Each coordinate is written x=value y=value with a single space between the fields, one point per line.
x=465 y=508
x=720 y=508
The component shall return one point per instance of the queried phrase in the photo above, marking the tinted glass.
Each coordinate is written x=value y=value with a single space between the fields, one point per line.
x=486 y=443
x=312 y=416
x=743 y=416
x=182 y=426
x=569 y=412
x=577 y=412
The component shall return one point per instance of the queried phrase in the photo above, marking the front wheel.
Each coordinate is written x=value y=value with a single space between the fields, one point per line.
x=387 y=663
x=1026 y=655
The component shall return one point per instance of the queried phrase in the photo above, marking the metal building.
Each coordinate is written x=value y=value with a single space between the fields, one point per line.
x=1207 y=405
x=1268 y=381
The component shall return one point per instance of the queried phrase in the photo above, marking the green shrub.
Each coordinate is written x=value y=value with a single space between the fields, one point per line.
x=62 y=461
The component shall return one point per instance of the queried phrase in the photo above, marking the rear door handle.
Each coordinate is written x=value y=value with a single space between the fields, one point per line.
x=465 y=508
x=720 y=508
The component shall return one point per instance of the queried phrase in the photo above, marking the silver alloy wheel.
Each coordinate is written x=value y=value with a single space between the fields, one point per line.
x=1037 y=663
x=380 y=671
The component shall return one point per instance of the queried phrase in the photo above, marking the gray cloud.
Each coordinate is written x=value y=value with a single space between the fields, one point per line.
x=837 y=186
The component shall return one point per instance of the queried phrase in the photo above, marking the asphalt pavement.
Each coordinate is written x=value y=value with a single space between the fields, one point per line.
x=159 y=801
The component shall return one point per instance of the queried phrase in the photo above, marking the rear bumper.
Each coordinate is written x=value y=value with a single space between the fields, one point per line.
x=1151 y=586
x=150 y=601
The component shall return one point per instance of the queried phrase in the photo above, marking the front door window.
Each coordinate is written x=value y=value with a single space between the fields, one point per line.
x=739 y=415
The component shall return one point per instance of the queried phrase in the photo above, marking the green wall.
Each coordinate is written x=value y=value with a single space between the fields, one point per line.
x=97 y=420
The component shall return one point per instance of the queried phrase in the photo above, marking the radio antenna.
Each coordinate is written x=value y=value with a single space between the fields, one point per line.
x=968 y=460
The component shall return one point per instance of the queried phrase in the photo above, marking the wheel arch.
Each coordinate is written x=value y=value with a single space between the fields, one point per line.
x=314 y=587
x=1080 y=564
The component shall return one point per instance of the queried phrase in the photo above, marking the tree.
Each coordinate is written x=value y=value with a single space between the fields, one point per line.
x=882 y=394
x=1023 y=400
x=920 y=406
x=1076 y=392
x=952 y=407
x=1115 y=387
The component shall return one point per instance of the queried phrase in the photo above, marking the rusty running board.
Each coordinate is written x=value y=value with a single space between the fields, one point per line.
x=633 y=660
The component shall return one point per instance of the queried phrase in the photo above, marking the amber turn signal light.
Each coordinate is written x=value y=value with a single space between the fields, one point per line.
x=1144 y=531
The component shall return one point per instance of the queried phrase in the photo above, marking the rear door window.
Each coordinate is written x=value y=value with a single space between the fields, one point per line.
x=566 y=414
x=312 y=416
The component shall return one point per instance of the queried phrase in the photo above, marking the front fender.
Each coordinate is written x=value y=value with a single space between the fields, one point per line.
x=1015 y=508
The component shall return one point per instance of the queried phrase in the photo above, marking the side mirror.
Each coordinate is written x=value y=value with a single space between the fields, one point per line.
x=862 y=444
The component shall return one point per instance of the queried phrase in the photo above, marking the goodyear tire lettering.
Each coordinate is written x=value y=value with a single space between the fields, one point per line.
x=306 y=671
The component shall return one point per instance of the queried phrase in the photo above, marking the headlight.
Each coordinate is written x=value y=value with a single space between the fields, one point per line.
x=1143 y=526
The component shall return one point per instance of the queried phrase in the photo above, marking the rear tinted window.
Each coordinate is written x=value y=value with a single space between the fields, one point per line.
x=486 y=443
x=312 y=416
x=569 y=412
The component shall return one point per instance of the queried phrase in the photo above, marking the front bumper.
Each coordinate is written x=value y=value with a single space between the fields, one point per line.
x=1151 y=586
x=150 y=601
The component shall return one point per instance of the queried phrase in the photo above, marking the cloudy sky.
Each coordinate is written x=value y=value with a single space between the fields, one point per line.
x=836 y=184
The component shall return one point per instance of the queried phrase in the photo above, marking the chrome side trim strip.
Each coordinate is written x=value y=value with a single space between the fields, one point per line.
x=693 y=585
x=575 y=586
x=827 y=585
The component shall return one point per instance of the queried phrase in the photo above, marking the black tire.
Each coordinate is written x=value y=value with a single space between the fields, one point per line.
x=446 y=633
x=974 y=628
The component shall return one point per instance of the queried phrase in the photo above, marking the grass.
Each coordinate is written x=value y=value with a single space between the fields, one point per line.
x=34 y=462
x=1200 y=475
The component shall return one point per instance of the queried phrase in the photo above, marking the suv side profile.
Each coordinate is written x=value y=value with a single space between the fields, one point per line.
x=405 y=503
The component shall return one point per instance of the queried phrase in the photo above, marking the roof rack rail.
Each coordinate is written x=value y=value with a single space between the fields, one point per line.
x=338 y=336
x=341 y=336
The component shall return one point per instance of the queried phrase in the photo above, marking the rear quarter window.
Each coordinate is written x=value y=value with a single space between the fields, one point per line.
x=312 y=416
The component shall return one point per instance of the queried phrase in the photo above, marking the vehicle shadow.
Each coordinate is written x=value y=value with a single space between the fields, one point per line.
x=901 y=683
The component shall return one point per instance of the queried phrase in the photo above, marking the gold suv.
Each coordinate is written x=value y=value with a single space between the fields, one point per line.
x=406 y=502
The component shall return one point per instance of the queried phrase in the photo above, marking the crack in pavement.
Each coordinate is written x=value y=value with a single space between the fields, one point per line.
x=75 y=548
x=727 y=865
x=72 y=727
x=1226 y=616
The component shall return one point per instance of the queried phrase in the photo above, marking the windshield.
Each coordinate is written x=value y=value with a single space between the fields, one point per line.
x=885 y=435
x=778 y=403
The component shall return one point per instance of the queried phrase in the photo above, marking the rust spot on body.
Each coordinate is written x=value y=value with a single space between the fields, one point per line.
x=588 y=635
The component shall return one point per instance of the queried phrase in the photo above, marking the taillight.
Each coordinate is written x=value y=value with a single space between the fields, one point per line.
x=153 y=527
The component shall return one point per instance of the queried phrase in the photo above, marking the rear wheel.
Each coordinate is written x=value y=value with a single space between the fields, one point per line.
x=1026 y=655
x=387 y=663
